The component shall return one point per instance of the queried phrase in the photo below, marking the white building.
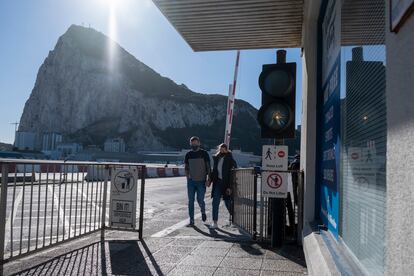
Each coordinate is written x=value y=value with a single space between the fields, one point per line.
x=51 y=140
x=69 y=148
x=114 y=145
x=25 y=140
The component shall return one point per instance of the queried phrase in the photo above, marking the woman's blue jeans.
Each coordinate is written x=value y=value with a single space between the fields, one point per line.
x=216 y=200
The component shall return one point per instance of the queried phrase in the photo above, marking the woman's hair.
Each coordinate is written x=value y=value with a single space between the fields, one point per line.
x=222 y=145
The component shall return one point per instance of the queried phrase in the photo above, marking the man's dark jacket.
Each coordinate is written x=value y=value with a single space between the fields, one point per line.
x=228 y=164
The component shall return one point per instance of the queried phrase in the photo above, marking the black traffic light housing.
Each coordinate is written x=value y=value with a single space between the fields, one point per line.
x=278 y=84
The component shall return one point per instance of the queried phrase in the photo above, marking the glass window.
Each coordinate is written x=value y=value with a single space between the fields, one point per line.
x=363 y=133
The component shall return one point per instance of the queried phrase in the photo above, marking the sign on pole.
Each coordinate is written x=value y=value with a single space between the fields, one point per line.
x=275 y=158
x=274 y=184
x=123 y=204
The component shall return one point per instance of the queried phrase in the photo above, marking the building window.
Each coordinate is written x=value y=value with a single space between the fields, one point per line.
x=363 y=133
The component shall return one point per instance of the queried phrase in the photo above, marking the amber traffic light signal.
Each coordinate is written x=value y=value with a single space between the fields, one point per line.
x=277 y=113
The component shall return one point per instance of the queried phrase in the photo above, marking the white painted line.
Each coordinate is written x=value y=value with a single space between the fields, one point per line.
x=174 y=227
x=11 y=219
x=62 y=217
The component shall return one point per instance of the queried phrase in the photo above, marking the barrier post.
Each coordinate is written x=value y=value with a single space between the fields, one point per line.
x=141 y=202
x=105 y=194
x=3 y=206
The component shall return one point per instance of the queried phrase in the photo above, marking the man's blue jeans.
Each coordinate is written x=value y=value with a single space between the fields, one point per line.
x=194 y=187
x=218 y=191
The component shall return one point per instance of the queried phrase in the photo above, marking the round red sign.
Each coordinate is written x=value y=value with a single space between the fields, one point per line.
x=281 y=154
x=274 y=180
x=355 y=155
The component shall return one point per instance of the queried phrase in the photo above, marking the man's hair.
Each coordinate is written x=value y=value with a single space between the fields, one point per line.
x=194 y=138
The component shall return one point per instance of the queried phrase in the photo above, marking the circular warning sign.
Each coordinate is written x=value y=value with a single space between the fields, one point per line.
x=274 y=180
x=281 y=154
x=355 y=156
x=124 y=181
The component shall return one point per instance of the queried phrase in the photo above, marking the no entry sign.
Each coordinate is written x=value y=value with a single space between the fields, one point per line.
x=274 y=184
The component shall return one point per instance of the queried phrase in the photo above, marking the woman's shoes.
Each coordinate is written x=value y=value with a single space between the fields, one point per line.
x=214 y=225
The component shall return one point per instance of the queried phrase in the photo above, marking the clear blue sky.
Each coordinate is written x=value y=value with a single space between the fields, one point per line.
x=30 y=29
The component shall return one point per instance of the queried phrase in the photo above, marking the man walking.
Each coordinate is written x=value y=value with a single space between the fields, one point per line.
x=197 y=170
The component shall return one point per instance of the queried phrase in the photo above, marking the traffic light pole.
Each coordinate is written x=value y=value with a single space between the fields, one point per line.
x=278 y=215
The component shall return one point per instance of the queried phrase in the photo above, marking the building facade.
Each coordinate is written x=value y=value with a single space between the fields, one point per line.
x=114 y=145
x=357 y=120
x=25 y=140
x=51 y=140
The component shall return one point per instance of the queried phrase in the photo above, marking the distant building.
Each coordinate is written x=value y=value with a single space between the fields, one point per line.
x=114 y=145
x=25 y=140
x=67 y=149
x=51 y=140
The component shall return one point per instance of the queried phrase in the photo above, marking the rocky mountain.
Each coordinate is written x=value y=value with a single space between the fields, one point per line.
x=89 y=89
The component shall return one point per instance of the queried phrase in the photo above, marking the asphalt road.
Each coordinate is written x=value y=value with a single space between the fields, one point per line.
x=50 y=212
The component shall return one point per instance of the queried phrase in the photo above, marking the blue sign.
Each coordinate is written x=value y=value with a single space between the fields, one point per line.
x=329 y=120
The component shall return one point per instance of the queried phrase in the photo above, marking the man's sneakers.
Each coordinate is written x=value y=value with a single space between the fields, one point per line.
x=204 y=217
x=191 y=224
x=214 y=225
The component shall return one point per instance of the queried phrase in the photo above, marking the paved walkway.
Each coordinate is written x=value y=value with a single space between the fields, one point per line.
x=186 y=251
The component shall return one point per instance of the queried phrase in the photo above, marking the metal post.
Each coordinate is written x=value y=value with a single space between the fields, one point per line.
x=105 y=191
x=3 y=205
x=300 y=206
x=261 y=215
x=278 y=219
x=141 y=201
x=255 y=206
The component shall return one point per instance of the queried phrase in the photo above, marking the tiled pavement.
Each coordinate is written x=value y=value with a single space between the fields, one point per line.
x=187 y=251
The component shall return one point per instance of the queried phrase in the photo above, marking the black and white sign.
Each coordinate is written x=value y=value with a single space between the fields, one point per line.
x=274 y=184
x=275 y=158
x=123 y=197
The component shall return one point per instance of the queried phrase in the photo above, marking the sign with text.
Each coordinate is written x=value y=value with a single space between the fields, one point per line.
x=274 y=184
x=275 y=158
x=329 y=120
x=123 y=202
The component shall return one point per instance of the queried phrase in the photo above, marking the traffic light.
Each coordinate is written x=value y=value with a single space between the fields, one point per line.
x=277 y=114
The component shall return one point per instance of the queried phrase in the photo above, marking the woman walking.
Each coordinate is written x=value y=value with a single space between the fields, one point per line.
x=221 y=177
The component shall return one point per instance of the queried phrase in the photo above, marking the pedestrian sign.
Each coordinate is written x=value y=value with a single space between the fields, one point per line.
x=274 y=184
x=275 y=158
x=123 y=197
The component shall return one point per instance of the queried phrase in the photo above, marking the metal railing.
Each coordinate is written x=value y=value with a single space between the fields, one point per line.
x=44 y=203
x=245 y=200
x=248 y=202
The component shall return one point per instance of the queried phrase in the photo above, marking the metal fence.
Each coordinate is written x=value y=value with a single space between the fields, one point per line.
x=245 y=200
x=252 y=212
x=44 y=203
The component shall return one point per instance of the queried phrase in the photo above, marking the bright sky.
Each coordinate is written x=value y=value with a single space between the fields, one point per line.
x=30 y=29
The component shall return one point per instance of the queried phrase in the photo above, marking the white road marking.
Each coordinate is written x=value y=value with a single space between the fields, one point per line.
x=62 y=217
x=11 y=219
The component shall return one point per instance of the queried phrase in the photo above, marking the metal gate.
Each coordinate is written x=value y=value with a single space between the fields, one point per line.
x=45 y=203
x=245 y=200
x=252 y=212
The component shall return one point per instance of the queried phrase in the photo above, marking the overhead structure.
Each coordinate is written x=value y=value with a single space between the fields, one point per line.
x=234 y=25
